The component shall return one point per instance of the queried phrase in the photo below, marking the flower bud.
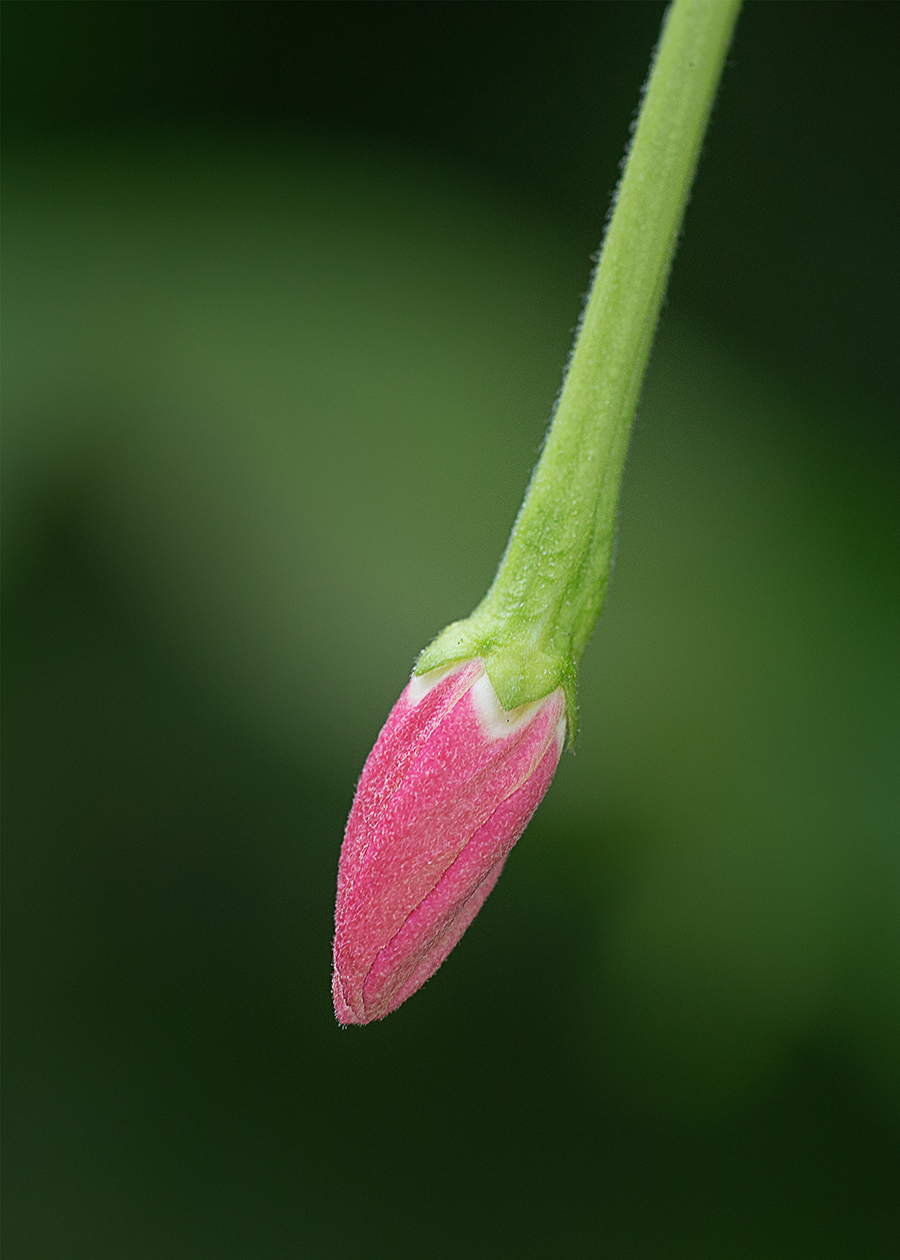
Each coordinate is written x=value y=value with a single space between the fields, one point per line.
x=449 y=787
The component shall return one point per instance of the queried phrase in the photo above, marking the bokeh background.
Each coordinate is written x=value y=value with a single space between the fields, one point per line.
x=288 y=292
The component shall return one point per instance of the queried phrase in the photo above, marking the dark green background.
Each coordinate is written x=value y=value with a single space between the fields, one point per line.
x=288 y=291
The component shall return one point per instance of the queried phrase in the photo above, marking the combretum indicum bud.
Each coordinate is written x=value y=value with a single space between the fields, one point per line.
x=473 y=742
x=448 y=789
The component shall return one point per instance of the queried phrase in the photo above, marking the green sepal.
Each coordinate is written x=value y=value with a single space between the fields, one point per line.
x=520 y=670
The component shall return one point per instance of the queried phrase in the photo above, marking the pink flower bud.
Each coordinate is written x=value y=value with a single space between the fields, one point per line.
x=449 y=787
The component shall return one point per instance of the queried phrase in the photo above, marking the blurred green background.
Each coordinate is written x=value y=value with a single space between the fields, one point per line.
x=288 y=293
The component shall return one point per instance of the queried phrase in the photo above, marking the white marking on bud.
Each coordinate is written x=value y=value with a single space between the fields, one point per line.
x=421 y=684
x=495 y=721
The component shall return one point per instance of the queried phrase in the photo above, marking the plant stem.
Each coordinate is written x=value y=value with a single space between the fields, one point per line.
x=536 y=619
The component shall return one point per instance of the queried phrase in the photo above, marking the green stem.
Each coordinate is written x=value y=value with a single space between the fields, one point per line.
x=535 y=621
